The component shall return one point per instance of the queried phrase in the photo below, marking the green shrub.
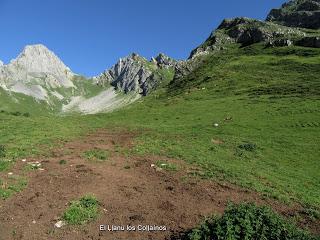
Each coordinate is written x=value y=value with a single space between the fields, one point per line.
x=62 y=162
x=2 y=151
x=4 y=165
x=247 y=221
x=16 y=113
x=82 y=211
x=248 y=147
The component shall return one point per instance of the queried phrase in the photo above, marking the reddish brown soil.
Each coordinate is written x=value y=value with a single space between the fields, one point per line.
x=138 y=195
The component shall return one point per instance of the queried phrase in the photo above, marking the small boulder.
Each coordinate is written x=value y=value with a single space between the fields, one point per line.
x=60 y=224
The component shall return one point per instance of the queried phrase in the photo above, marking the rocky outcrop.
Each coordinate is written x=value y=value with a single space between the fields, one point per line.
x=297 y=13
x=135 y=74
x=129 y=74
x=309 y=42
x=245 y=31
x=163 y=61
x=280 y=43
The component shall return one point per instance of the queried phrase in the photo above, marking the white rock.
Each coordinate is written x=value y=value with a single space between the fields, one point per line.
x=216 y=125
x=59 y=224
x=10 y=173
x=24 y=160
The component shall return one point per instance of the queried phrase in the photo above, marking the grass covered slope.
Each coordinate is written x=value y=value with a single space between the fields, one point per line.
x=266 y=105
x=267 y=99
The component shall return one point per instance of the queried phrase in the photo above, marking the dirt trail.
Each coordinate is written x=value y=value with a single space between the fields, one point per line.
x=138 y=195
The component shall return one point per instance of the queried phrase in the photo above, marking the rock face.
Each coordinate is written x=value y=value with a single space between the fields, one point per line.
x=135 y=74
x=297 y=13
x=245 y=31
x=309 y=42
x=37 y=64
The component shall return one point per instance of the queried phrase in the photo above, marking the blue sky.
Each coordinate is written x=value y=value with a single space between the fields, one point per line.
x=91 y=35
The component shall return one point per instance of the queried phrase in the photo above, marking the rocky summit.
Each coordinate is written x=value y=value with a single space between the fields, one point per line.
x=34 y=71
x=135 y=74
x=245 y=31
x=284 y=27
x=297 y=13
x=37 y=62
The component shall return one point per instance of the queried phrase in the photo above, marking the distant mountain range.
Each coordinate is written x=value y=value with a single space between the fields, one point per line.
x=39 y=73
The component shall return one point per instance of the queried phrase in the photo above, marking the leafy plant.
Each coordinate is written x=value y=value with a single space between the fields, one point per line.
x=2 y=151
x=247 y=221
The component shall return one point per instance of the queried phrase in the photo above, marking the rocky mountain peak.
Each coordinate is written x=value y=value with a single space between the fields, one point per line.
x=135 y=74
x=164 y=61
x=39 y=49
x=297 y=13
x=34 y=71
x=130 y=74
x=36 y=63
x=39 y=59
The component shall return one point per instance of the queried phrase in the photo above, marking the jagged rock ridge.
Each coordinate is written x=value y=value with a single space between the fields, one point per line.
x=297 y=13
x=245 y=31
x=135 y=74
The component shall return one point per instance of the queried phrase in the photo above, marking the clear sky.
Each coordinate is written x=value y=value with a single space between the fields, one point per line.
x=91 y=35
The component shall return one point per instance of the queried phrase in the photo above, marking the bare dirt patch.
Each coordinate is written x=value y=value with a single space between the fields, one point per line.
x=130 y=191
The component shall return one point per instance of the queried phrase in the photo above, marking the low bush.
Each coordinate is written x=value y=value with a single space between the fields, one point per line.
x=2 y=151
x=246 y=222
x=248 y=147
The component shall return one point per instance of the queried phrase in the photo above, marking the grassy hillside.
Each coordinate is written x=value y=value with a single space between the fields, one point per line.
x=265 y=102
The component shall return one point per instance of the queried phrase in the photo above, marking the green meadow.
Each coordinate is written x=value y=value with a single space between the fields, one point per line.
x=249 y=116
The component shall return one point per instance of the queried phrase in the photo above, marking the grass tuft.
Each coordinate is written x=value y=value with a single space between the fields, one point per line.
x=167 y=165
x=96 y=155
x=82 y=211
x=62 y=162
